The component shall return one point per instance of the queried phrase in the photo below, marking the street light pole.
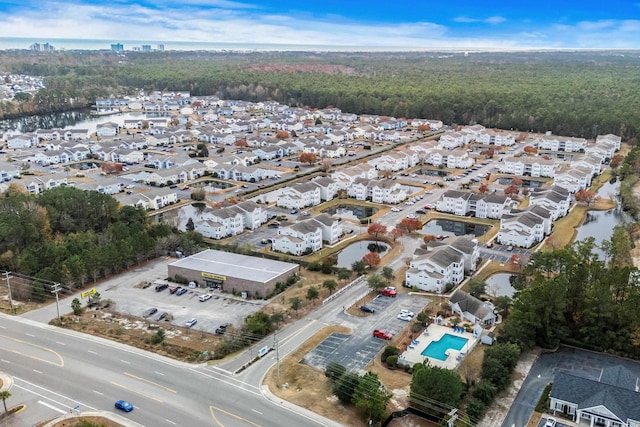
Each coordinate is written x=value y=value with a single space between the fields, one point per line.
x=275 y=344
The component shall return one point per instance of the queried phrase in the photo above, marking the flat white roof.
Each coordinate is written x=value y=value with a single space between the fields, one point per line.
x=235 y=265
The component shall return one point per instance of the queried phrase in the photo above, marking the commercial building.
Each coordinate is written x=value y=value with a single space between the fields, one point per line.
x=233 y=272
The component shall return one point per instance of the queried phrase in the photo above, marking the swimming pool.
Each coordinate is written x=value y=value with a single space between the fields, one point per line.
x=437 y=349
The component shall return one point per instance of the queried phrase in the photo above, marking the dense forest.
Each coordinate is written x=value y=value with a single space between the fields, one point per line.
x=570 y=93
x=574 y=296
x=75 y=237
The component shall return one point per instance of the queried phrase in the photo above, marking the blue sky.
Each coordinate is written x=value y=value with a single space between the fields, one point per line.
x=418 y=24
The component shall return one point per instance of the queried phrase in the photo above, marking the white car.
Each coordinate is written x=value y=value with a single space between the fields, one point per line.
x=404 y=317
x=189 y=323
x=394 y=209
x=551 y=422
x=412 y=216
x=205 y=297
x=408 y=202
x=407 y=312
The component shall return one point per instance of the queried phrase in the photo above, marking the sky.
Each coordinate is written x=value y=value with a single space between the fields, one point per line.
x=413 y=25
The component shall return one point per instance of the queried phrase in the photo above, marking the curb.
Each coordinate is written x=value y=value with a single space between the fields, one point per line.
x=116 y=418
x=7 y=381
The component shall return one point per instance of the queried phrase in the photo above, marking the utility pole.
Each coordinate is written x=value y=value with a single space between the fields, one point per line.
x=275 y=344
x=453 y=418
x=6 y=275
x=56 y=289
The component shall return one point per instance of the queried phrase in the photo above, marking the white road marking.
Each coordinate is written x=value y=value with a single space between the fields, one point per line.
x=230 y=383
x=4 y=361
x=159 y=373
x=170 y=422
x=92 y=352
x=124 y=361
x=31 y=335
x=97 y=392
x=60 y=343
x=49 y=391
x=51 y=407
x=257 y=412
x=3 y=327
x=37 y=372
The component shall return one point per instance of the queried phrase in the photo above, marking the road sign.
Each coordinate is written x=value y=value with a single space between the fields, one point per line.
x=89 y=292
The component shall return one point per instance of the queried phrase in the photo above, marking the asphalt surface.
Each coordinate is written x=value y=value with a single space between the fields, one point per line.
x=580 y=362
x=357 y=350
x=56 y=370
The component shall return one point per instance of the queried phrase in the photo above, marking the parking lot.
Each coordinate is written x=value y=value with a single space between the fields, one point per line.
x=129 y=295
x=502 y=254
x=357 y=350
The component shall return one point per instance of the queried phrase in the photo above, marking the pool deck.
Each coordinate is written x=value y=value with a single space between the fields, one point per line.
x=413 y=354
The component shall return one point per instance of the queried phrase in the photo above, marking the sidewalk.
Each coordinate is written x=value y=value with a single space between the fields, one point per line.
x=116 y=418
x=6 y=381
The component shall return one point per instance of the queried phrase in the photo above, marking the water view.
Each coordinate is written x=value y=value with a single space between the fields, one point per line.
x=599 y=224
x=447 y=227
x=355 y=251
x=525 y=182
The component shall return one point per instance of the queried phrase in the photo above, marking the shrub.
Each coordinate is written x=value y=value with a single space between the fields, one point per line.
x=334 y=371
x=416 y=327
x=389 y=350
x=392 y=361
x=475 y=409
x=157 y=338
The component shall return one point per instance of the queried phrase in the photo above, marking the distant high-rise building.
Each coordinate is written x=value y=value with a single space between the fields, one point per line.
x=161 y=47
x=117 y=47
x=146 y=48
x=42 y=47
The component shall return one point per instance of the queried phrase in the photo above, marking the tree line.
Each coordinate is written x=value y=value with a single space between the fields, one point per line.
x=568 y=93
x=73 y=237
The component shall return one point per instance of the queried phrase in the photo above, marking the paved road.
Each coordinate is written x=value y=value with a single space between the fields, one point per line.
x=56 y=370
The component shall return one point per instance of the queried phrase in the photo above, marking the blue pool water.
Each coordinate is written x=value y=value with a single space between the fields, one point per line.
x=437 y=349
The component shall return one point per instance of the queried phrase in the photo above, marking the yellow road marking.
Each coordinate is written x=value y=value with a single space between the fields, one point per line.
x=137 y=392
x=61 y=363
x=298 y=332
x=212 y=408
x=150 y=382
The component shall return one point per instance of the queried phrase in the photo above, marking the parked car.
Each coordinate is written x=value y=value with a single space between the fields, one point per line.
x=381 y=333
x=162 y=287
x=490 y=244
x=407 y=312
x=189 y=323
x=509 y=248
x=162 y=315
x=123 y=405
x=205 y=297
x=421 y=211
x=551 y=422
x=181 y=291
x=149 y=312
x=388 y=292
x=293 y=211
x=404 y=317
x=412 y=216
x=367 y=309
x=174 y=289
x=220 y=330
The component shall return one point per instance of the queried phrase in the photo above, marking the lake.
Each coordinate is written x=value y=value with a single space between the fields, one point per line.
x=355 y=251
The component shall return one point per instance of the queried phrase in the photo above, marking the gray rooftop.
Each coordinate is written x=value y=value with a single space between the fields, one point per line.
x=235 y=265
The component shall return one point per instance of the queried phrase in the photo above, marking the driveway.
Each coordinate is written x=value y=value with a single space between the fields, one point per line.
x=580 y=362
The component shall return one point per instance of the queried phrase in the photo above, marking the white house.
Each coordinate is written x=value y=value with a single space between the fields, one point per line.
x=524 y=228
x=472 y=309
x=298 y=238
x=528 y=166
x=300 y=195
x=556 y=200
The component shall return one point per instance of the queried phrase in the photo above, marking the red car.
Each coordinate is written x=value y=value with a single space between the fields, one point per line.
x=381 y=333
x=388 y=292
